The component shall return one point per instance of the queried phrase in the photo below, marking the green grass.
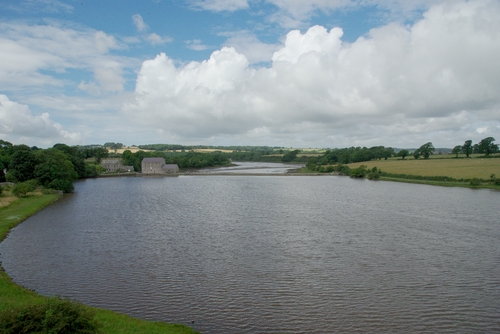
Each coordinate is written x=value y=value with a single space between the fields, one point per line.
x=13 y=295
x=455 y=168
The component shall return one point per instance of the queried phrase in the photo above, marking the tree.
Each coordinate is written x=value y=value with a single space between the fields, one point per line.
x=290 y=156
x=456 y=150
x=22 y=166
x=426 y=150
x=416 y=154
x=467 y=148
x=487 y=146
x=55 y=165
x=403 y=154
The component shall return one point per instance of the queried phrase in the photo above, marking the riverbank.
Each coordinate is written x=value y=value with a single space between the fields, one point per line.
x=13 y=295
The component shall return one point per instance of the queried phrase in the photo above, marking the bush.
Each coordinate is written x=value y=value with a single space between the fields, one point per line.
x=59 y=184
x=22 y=189
x=359 y=172
x=475 y=182
x=55 y=316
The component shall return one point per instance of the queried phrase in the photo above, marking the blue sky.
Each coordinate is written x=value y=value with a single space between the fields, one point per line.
x=319 y=73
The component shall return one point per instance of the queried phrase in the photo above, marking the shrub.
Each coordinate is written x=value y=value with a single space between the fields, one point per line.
x=475 y=182
x=497 y=182
x=22 y=189
x=55 y=316
x=59 y=184
x=358 y=172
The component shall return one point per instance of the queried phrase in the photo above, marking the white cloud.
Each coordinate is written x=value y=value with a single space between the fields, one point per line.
x=220 y=5
x=250 y=46
x=196 y=45
x=156 y=39
x=16 y=120
x=139 y=23
x=399 y=84
x=33 y=55
x=44 y=6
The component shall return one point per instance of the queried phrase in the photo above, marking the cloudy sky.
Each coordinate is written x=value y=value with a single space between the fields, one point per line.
x=292 y=73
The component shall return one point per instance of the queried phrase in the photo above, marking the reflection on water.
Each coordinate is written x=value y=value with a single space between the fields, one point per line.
x=248 y=254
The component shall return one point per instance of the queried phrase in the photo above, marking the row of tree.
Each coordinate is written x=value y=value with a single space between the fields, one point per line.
x=56 y=167
x=486 y=146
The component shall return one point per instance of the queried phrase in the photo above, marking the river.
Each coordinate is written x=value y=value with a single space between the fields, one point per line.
x=270 y=254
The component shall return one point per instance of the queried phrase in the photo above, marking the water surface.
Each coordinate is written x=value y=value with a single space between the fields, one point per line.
x=250 y=254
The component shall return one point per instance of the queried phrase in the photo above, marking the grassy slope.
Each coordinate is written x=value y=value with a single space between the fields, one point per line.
x=12 y=295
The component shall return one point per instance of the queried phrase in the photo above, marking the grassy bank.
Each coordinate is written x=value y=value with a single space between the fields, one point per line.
x=12 y=295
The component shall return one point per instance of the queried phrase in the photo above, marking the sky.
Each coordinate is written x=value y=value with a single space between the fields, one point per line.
x=287 y=73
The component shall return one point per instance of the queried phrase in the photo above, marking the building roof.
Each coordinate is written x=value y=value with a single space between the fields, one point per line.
x=109 y=161
x=170 y=166
x=154 y=160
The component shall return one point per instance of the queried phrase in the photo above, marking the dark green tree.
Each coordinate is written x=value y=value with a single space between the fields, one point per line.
x=456 y=150
x=487 y=146
x=22 y=166
x=426 y=150
x=290 y=156
x=55 y=170
x=403 y=154
x=416 y=154
x=467 y=148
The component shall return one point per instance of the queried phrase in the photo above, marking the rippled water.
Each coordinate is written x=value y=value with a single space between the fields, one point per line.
x=270 y=254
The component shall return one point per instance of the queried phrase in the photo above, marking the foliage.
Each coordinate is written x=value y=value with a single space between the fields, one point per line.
x=22 y=189
x=467 y=148
x=374 y=174
x=113 y=145
x=56 y=171
x=22 y=165
x=456 y=150
x=359 y=172
x=403 y=154
x=55 y=316
x=290 y=156
x=426 y=150
x=416 y=154
x=487 y=146
x=475 y=182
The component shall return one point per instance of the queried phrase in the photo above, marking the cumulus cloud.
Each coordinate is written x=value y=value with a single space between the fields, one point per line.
x=249 y=45
x=17 y=120
x=220 y=5
x=436 y=77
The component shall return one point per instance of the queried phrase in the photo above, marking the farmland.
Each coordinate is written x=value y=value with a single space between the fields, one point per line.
x=460 y=168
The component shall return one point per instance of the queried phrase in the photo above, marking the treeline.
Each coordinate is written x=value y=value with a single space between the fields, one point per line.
x=350 y=155
x=177 y=147
x=183 y=160
x=486 y=146
x=55 y=168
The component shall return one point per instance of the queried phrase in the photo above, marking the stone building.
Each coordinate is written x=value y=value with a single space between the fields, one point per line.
x=115 y=165
x=158 y=166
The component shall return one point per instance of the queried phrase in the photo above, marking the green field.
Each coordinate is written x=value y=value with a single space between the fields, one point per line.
x=12 y=295
x=460 y=168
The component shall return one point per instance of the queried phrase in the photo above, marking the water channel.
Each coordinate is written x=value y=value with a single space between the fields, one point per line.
x=270 y=254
